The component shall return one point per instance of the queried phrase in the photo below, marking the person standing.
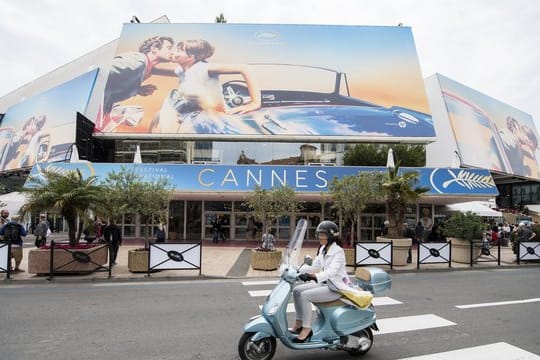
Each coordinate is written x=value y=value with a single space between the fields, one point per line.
x=113 y=236
x=269 y=240
x=524 y=233
x=41 y=231
x=4 y=217
x=14 y=232
x=160 y=233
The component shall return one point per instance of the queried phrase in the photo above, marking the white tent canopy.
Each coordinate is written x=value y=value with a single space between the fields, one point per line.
x=13 y=202
x=477 y=207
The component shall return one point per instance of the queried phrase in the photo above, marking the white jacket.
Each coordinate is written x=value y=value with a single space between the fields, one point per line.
x=331 y=268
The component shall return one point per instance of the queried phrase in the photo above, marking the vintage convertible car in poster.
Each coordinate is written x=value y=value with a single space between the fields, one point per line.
x=320 y=106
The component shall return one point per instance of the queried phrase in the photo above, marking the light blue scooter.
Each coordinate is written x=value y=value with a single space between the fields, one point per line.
x=340 y=325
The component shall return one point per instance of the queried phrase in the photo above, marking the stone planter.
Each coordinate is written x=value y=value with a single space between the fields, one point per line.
x=67 y=260
x=461 y=250
x=265 y=260
x=349 y=256
x=138 y=260
x=400 y=249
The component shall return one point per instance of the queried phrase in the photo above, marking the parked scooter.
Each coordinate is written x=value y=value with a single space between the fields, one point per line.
x=345 y=324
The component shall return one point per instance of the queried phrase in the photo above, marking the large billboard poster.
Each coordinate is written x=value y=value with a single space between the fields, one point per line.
x=42 y=128
x=242 y=80
x=489 y=133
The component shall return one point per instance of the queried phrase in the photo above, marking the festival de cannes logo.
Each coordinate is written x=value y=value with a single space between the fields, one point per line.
x=451 y=180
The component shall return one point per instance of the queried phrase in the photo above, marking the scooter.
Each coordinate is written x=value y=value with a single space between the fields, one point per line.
x=345 y=324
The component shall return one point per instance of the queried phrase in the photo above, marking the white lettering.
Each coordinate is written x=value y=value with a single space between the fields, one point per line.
x=319 y=175
x=229 y=177
x=298 y=178
x=276 y=175
x=256 y=180
x=201 y=175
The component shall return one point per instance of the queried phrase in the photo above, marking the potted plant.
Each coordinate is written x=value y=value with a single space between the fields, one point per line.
x=398 y=190
x=268 y=206
x=351 y=195
x=462 y=229
x=138 y=260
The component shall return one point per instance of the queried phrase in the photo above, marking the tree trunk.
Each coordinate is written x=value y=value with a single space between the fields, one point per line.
x=72 y=224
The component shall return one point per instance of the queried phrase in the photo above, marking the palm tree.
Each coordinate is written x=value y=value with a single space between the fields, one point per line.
x=68 y=194
x=399 y=191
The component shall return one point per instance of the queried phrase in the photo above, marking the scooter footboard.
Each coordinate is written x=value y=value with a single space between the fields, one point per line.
x=260 y=326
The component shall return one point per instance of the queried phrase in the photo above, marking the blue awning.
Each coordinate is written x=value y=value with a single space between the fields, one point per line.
x=306 y=179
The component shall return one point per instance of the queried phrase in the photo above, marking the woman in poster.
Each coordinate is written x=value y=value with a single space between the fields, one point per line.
x=199 y=89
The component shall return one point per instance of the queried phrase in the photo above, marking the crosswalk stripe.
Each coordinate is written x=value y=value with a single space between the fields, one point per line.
x=500 y=303
x=261 y=282
x=410 y=323
x=496 y=351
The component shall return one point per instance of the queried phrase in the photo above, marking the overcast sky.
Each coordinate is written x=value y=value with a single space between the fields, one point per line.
x=492 y=46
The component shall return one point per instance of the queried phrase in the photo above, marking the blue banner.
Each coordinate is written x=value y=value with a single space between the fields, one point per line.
x=187 y=177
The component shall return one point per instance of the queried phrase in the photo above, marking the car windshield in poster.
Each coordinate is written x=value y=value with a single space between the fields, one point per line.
x=42 y=128
x=489 y=133
x=255 y=81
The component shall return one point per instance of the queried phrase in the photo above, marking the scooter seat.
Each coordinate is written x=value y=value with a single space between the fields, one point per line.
x=361 y=299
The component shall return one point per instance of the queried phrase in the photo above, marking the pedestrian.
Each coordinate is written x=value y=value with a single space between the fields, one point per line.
x=419 y=232
x=384 y=230
x=408 y=233
x=13 y=232
x=160 y=233
x=42 y=231
x=269 y=240
x=113 y=236
x=4 y=217
x=216 y=230
x=524 y=233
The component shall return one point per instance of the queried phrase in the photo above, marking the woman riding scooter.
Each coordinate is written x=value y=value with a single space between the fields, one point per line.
x=330 y=278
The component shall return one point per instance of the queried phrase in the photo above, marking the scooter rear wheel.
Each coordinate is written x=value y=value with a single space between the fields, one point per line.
x=367 y=341
x=262 y=349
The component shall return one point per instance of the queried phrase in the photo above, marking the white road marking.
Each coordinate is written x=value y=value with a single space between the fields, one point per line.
x=500 y=303
x=265 y=282
x=410 y=323
x=496 y=351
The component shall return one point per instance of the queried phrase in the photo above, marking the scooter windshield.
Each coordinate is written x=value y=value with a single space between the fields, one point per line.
x=291 y=257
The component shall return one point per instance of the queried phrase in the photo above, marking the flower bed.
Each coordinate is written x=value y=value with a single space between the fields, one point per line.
x=68 y=259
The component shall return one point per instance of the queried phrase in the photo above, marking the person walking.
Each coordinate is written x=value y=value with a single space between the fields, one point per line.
x=113 y=236
x=13 y=232
x=42 y=231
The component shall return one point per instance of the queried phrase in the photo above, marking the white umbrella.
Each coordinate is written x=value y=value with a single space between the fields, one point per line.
x=74 y=158
x=137 y=159
x=390 y=159
x=456 y=160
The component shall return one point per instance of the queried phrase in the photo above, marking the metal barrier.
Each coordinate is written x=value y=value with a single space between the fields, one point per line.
x=486 y=253
x=434 y=253
x=528 y=250
x=5 y=259
x=373 y=253
x=175 y=256
x=76 y=256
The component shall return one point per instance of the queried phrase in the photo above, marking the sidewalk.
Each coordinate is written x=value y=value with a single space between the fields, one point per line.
x=231 y=259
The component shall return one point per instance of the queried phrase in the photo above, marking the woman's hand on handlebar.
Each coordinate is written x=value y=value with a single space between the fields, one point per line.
x=307 y=277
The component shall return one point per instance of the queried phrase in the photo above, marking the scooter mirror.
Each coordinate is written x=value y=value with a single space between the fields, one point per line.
x=308 y=260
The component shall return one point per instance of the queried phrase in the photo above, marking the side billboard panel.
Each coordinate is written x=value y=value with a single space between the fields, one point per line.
x=489 y=133
x=266 y=81
x=42 y=128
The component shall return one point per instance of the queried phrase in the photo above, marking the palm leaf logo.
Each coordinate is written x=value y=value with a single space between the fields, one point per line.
x=469 y=180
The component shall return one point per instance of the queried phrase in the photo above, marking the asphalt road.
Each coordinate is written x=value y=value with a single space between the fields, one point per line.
x=203 y=319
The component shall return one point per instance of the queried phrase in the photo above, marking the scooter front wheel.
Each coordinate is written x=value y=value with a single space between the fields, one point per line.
x=262 y=349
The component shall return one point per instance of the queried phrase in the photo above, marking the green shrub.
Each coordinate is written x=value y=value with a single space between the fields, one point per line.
x=467 y=226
